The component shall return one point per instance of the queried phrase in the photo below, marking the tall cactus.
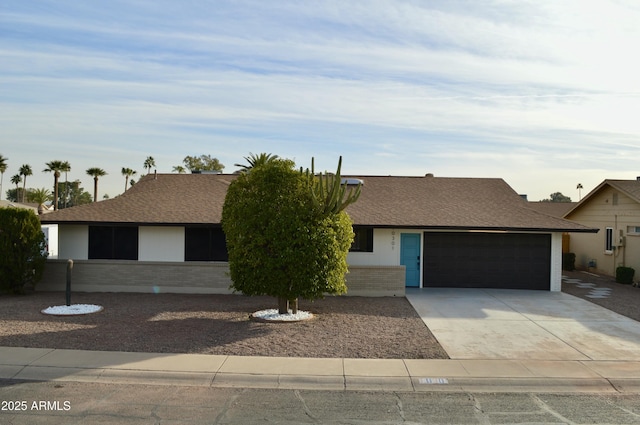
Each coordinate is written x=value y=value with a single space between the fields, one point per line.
x=329 y=193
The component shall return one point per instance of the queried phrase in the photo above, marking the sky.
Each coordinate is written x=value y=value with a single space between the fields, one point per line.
x=544 y=94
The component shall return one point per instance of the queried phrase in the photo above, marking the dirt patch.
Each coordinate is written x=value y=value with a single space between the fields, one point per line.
x=343 y=327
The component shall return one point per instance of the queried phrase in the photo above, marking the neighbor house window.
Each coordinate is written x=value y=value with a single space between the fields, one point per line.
x=633 y=230
x=205 y=244
x=113 y=242
x=608 y=240
x=363 y=239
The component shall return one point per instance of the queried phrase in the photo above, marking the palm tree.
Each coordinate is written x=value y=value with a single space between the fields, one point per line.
x=96 y=172
x=40 y=196
x=179 y=169
x=66 y=169
x=3 y=168
x=16 y=180
x=579 y=187
x=148 y=163
x=127 y=172
x=255 y=161
x=56 y=167
x=25 y=171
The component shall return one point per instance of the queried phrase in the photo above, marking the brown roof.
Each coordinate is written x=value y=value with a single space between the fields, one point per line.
x=449 y=203
x=386 y=201
x=631 y=188
x=556 y=209
x=162 y=199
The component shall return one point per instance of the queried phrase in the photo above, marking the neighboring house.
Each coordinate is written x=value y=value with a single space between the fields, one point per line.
x=164 y=234
x=9 y=204
x=556 y=209
x=613 y=207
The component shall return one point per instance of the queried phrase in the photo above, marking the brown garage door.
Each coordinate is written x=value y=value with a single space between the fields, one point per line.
x=487 y=260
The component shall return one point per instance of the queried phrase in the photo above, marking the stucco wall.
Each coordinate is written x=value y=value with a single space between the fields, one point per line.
x=191 y=277
x=608 y=208
x=386 y=250
x=73 y=241
x=158 y=243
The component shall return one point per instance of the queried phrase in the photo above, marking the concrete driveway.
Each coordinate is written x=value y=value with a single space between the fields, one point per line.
x=524 y=325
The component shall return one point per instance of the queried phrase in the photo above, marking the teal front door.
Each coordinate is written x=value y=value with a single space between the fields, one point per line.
x=410 y=258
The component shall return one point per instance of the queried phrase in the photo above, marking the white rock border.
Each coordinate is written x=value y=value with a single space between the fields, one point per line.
x=272 y=316
x=72 y=310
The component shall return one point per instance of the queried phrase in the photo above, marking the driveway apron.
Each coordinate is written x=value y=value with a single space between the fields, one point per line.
x=524 y=325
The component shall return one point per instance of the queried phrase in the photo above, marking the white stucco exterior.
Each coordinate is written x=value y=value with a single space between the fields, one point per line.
x=167 y=244
x=386 y=249
x=73 y=241
x=51 y=239
x=161 y=243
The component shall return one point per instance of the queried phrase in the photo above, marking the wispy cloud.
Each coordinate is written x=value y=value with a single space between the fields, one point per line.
x=539 y=93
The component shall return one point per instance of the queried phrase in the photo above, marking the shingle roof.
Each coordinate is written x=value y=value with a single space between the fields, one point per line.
x=161 y=199
x=556 y=209
x=386 y=201
x=631 y=188
x=449 y=203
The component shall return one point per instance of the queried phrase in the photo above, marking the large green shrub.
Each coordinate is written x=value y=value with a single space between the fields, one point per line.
x=280 y=242
x=625 y=275
x=22 y=250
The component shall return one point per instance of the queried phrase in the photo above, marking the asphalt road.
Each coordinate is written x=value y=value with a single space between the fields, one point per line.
x=90 y=403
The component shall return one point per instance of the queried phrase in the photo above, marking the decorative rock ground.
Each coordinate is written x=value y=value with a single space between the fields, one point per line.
x=72 y=310
x=272 y=315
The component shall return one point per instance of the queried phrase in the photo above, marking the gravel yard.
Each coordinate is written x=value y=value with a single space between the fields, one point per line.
x=351 y=327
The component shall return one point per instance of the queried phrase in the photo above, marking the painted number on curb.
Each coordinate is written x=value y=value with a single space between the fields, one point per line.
x=431 y=381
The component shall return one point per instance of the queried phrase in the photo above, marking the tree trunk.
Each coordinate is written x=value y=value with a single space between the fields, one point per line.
x=283 y=305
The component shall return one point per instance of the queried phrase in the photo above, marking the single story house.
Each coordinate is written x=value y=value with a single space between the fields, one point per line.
x=9 y=204
x=613 y=207
x=164 y=234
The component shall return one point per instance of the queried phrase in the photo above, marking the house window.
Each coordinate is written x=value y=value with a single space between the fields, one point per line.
x=363 y=240
x=113 y=242
x=205 y=244
x=608 y=240
x=633 y=230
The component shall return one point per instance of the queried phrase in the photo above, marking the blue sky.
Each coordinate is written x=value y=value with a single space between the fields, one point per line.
x=544 y=94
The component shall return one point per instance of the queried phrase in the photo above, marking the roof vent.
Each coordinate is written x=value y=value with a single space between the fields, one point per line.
x=206 y=172
x=352 y=181
x=429 y=175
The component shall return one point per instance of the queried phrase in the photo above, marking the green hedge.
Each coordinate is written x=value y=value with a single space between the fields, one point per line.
x=625 y=275
x=22 y=250
x=569 y=261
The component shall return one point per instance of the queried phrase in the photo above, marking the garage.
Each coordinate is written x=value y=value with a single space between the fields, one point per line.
x=487 y=260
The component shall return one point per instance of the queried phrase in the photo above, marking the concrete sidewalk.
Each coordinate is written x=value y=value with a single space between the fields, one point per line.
x=321 y=374
x=498 y=341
